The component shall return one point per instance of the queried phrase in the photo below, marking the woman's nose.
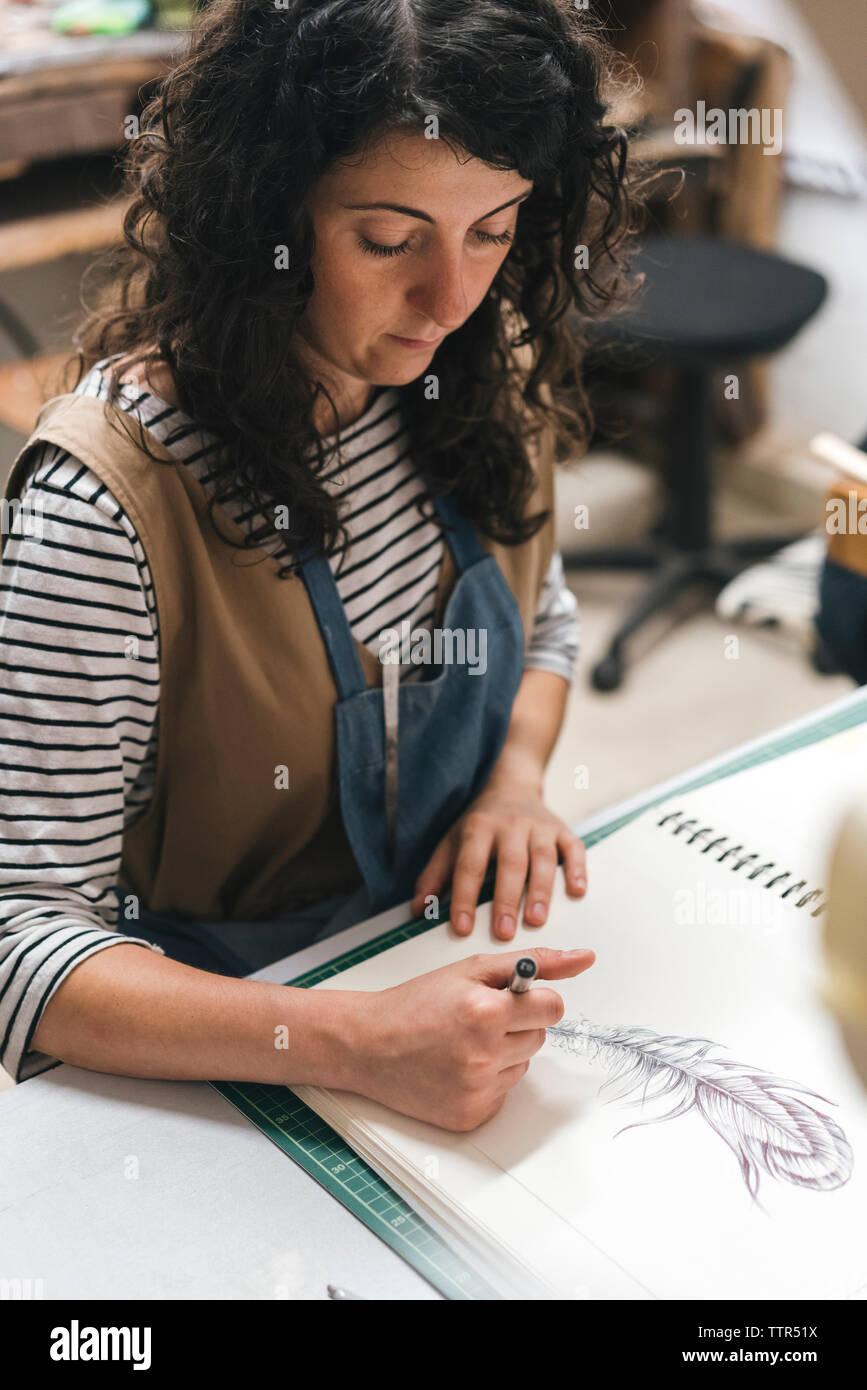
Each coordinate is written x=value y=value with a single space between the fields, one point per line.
x=442 y=293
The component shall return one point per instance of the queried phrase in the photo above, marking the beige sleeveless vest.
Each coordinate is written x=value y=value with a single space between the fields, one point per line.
x=245 y=687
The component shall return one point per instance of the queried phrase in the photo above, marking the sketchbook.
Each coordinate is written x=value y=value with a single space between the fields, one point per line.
x=693 y=1127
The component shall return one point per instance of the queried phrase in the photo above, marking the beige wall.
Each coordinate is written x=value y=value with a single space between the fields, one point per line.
x=841 y=28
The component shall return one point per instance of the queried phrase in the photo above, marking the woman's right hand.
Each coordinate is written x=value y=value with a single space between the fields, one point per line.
x=447 y=1046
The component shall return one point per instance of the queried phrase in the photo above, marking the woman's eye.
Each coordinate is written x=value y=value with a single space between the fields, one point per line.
x=374 y=248
x=488 y=239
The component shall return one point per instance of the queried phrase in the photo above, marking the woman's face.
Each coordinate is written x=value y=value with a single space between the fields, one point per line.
x=443 y=236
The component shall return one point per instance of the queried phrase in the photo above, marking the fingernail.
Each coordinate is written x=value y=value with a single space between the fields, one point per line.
x=537 y=912
x=464 y=921
x=577 y=951
x=507 y=926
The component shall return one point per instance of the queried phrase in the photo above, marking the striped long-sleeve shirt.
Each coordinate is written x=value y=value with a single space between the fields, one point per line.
x=78 y=722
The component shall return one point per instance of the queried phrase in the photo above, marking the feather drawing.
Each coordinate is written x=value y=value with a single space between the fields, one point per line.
x=769 y=1123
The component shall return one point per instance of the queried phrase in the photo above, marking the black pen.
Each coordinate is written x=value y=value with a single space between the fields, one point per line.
x=523 y=975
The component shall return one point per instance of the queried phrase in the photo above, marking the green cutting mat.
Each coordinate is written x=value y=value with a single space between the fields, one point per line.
x=300 y=1133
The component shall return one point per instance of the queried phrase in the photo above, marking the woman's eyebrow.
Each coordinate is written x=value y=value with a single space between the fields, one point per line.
x=426 y=217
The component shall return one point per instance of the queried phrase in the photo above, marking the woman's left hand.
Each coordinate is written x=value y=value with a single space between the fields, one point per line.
x=510 y=820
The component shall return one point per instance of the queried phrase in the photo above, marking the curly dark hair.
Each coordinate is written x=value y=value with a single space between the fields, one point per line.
x=265 y=100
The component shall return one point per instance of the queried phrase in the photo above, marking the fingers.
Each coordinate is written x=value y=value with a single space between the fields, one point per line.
x=519 y=846
x=514 y=852
x=520 y=1047
x=574 y=862
x=497 y=969
x=470 y=870
x=506 y=1079
x=434 y=876
x=512 y=859
x=538 y=1008
x=543 y=867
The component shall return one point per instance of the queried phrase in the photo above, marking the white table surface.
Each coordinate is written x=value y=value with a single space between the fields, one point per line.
x=116 y=1187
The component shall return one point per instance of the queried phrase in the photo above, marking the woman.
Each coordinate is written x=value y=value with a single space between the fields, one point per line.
x=309 y=349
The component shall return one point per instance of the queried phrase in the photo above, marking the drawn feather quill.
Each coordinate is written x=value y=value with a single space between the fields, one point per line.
x=769 y=1123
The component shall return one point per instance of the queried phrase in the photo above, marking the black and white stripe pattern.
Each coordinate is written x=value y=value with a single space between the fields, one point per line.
x=781 y=591
x=78 y=719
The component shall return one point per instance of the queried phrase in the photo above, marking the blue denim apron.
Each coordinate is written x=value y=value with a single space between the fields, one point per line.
x=410 y=757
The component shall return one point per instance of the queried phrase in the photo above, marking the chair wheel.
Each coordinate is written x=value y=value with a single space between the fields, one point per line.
x=608 y=673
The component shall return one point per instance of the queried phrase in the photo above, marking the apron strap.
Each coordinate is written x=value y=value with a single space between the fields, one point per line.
x=391 y=702
x=342 y=651
x=463 y=540
x=337 y=635
x=467 y=551
x=328 y=607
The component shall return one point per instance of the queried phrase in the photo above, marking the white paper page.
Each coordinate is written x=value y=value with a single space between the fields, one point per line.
x=663 y=1210
x=789 y=809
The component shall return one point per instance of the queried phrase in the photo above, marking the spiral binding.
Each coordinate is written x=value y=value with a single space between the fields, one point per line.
x=746 y=858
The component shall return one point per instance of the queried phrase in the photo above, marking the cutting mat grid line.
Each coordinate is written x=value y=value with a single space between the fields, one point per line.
x=301 y=1134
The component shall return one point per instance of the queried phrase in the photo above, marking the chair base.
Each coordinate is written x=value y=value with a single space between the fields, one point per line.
x=675 y=569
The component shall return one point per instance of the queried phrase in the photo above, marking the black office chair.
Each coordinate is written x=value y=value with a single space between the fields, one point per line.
x=708 y=306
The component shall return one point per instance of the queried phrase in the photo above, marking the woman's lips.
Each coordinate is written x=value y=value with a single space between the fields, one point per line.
x=417 y=342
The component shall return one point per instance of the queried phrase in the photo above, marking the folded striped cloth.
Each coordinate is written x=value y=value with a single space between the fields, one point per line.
x=781 y=591
x=816 y=588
